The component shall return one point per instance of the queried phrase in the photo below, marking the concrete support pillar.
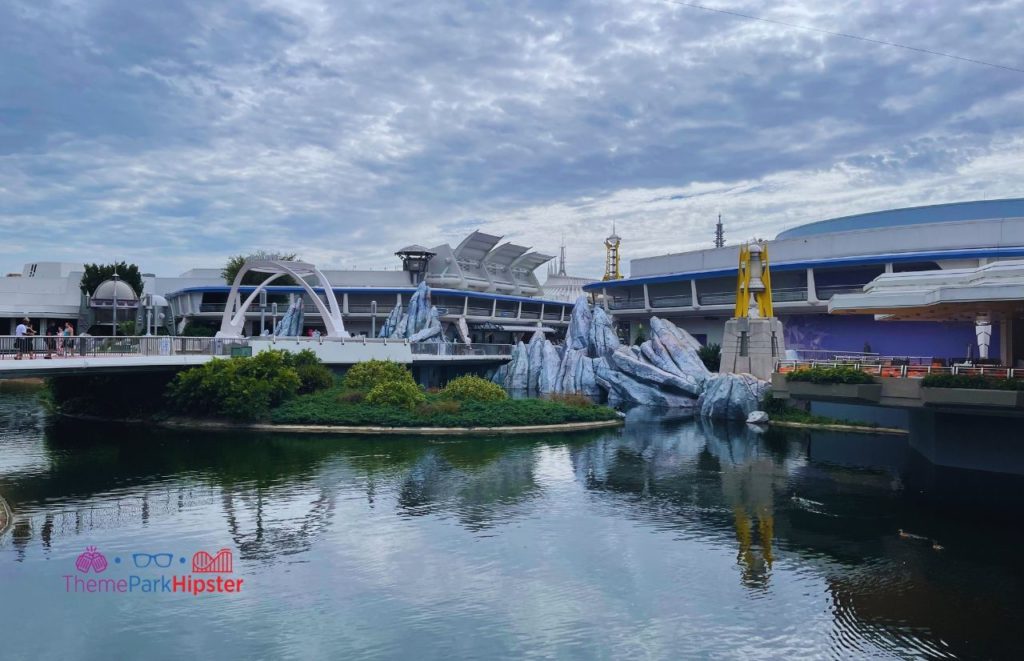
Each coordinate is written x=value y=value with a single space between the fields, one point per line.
x=647 y=299
x=694 y=301
x=812 y=292
x=1006 y=342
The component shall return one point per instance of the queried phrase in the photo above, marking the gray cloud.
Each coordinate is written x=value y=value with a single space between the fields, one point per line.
x=180 y=133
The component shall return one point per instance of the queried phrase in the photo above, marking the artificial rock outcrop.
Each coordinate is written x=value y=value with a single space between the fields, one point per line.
x=419 y=323
x=664 y=371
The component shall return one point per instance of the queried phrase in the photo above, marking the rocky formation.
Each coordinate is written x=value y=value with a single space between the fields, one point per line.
x=420 y=323
x=665 y=371
x=291 y=323
x=731 y=396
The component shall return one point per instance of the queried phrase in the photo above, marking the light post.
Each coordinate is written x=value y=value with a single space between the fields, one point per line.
x=115 y=302
x=147 y=301
x=273 y=316
x=373 y=318
x=263 y=309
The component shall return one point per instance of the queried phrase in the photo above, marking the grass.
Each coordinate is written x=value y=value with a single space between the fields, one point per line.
x=336 y=406
x=779 y=411
x=971 y=382
x=830 y=375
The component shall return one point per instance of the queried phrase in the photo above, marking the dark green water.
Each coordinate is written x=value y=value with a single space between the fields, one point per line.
x=661 y=540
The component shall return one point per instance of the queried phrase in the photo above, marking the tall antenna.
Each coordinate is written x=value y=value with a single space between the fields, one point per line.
x=719 y=233
x=612 y=269
x=561 y=257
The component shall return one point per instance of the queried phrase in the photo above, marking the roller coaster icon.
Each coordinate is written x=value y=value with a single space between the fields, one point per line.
x=204 y=563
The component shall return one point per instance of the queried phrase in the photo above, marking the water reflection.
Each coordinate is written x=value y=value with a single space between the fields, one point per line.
x=702 y=537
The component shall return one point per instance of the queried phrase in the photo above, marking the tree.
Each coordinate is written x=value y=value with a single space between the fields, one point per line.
x=234 y=265
x=96 y=273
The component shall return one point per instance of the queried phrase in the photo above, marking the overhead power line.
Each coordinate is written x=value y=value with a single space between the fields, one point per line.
x=845 y=35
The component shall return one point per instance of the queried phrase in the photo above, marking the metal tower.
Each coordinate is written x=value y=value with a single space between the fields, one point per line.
x=612 y=265
x=719 y=234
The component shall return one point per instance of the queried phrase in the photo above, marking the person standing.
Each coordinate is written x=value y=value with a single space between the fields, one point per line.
x=69 y=344
x=23 y=337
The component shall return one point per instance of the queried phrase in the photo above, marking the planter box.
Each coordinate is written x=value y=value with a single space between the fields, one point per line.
x=971 y=397
x=864 y=392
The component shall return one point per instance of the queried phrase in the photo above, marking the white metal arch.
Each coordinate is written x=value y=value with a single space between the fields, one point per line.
x=233 y=321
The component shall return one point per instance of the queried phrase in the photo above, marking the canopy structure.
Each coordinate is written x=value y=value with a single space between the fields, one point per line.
x=993 y=292
x=233 y=320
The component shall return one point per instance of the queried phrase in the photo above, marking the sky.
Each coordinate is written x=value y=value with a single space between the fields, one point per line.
x=175 y=134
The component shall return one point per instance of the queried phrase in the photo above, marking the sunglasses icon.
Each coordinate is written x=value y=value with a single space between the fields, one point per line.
x=142 y=560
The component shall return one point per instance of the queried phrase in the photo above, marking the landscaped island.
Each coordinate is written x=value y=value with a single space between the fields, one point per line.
x=284 y=388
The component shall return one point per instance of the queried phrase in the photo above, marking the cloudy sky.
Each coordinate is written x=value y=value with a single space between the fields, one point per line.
x=176 y=133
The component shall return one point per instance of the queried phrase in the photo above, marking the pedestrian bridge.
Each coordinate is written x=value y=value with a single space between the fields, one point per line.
x=51 y=356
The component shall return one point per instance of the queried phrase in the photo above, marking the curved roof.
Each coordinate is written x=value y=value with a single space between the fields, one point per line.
x=936 y=213
x=105 y=291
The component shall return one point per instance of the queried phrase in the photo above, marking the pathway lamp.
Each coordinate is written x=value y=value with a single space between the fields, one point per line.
x=263 y=309
x=373 y=318
x=273 y=316
x=115 y=277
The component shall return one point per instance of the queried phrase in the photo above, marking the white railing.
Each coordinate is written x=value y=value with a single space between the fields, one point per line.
x=88 y=346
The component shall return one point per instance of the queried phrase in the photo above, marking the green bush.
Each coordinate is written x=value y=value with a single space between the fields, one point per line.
x=195 y=330
x=366 y=375
x=399 y=394
x=473 y=388
x=328 y=408
x=830 y=375
x=351 y=397
x=711 y=356
x=575 y=399
x=238 y=388
x=313 y=374
x=972 y=382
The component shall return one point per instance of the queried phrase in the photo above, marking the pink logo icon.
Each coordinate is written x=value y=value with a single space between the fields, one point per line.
x=91 y=559
x=204 y=563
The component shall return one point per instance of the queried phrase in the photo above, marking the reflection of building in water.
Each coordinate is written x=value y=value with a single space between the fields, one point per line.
x=266 y=522
x=750 y=477
x=477 y=485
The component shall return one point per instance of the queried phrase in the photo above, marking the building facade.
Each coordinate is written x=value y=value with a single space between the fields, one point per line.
x=812 y=263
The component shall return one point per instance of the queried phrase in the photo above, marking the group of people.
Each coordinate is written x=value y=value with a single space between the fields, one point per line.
x=58 y=339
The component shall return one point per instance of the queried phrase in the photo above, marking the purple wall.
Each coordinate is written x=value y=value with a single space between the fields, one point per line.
x=889 y=338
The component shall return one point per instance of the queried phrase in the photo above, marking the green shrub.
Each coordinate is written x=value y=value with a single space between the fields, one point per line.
x=239 y=388
x=711 y=356
x=403 y=394
x=972 y=382
x=574 y=399
x=439 y=407
x=196 y=330
x=473 y=388
x=830 y=375
x=351 y=397
x=366 y=375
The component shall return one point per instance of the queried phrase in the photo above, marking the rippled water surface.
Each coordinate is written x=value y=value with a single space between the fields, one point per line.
x=658 y=540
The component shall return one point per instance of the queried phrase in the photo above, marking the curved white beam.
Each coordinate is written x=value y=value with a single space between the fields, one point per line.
x=234 y=320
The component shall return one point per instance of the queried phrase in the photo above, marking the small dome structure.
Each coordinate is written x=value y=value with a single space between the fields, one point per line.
x=413 y=248
x=106 y=290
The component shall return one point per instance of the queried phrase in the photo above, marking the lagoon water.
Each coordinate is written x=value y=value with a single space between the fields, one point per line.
x=663 y=539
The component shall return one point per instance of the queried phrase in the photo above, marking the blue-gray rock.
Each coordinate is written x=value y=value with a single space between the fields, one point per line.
x=578 y=335
x=731 y=396
x=626 y=362
x=535 y=354
x=602 y=339
x=680 y=346
x=625 y=391
x=432 y=332
x=757 y=418
x=390 y=324
x=550 y=361
x=517 y=377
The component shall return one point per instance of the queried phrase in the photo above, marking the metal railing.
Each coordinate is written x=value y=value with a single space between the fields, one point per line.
x=828 y=291
x=899 y=368
x=626 y=304
x=445 y=349
x=676 y=301
x=87 y=346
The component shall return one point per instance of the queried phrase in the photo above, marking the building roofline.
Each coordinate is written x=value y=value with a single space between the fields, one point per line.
x=858 y=260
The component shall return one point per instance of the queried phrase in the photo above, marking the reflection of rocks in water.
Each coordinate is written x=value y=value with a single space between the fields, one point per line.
x=474 y=482
x=5 y=515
